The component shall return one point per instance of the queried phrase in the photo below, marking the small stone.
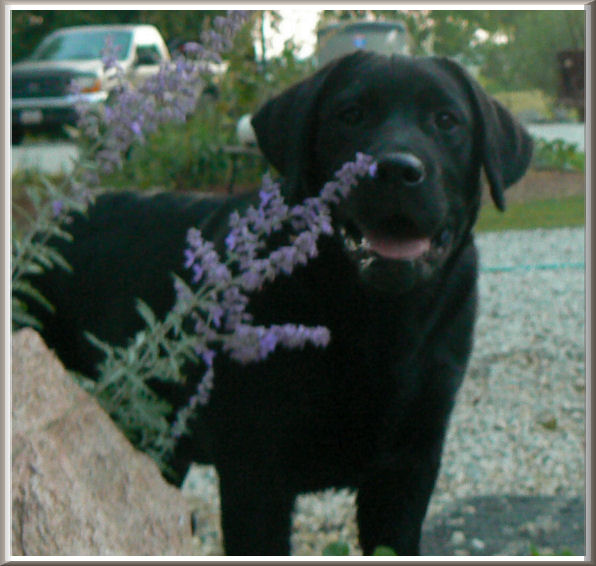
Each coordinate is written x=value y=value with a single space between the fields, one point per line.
x=458 y=538
x=478 y=544
x=508 y=531
x=529 y=529
x=456 y=521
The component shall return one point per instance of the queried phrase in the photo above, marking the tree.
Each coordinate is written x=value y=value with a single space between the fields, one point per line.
x=528 y=59
x=514 y=49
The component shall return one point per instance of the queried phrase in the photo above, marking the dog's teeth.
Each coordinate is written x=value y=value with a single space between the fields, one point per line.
x=365 y=263
x=348 y=240
x=354 y=246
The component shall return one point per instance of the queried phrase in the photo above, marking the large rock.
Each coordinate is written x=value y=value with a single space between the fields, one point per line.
x=78 y=485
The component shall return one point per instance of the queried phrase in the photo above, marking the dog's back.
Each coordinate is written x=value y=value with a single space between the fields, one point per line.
x=126 y=247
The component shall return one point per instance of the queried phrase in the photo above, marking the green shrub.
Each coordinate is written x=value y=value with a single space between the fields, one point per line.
x=535 y=551
x=179 y=155
x=189 y=156
x=338 y=548
x=535 y=103
x=558 y=155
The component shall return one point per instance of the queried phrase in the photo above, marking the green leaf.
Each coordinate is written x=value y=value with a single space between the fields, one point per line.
x=103 y=346
x=146 y=313
x=27 y=268
x=42 y=259
x=56 y=230
x=384 y=551
x=21 y=318
x=534 y=550
x=25 y=288
x=338 y=548
x=57 y=259
x=549 y=423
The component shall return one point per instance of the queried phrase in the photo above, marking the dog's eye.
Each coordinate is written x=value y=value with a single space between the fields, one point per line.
x=351 y=115
x=446 y=120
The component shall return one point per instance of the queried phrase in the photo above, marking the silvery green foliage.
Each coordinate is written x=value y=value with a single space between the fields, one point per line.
x=30 y=254
x=210 y=314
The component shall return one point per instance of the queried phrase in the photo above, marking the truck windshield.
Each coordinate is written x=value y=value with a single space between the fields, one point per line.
x=82 y=45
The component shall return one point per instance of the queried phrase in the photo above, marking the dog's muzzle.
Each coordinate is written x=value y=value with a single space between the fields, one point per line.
x=396 y=252
x=395 y=264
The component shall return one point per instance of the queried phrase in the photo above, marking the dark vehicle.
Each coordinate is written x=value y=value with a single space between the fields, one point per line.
x=342 y=38
x=42 y=85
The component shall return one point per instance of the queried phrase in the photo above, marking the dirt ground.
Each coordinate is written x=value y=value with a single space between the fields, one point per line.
x=541 y=185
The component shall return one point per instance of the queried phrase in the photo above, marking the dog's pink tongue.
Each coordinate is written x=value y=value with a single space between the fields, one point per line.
x=394 y=248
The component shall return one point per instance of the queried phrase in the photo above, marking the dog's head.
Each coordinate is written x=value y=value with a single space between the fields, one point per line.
x=430 y=128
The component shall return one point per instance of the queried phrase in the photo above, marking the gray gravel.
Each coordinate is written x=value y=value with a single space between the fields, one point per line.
x=518 y=427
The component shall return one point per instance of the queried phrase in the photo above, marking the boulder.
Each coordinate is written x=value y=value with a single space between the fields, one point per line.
x=78 y=486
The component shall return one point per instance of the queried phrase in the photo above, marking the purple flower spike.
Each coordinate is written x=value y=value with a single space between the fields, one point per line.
x=372 y=170
x=221 y=317
x=57 y=207
x=169 y=95
x=136 y=128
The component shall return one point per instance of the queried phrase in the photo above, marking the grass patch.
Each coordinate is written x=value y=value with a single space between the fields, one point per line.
x=549 y=213
x=544 y=213
x=536 y=102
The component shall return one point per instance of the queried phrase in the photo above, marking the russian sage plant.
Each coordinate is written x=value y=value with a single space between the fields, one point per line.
x=106 y=136
x=210 y=316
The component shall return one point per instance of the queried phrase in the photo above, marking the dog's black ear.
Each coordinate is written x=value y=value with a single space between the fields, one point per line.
x=284 y=125
x=506 y=145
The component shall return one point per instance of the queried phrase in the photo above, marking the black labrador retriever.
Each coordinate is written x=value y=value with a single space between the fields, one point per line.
x=395 y=285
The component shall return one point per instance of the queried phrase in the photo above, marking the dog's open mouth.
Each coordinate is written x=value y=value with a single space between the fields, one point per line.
x=397 y=249
x=407 y=249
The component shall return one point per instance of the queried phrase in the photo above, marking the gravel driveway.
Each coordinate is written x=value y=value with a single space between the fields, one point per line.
x=517 y=433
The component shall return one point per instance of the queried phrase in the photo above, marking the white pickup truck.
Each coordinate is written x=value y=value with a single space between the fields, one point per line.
x=41 y=85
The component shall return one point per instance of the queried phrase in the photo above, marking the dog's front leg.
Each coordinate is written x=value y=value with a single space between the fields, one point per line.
x=393 y=498
x=256 y=511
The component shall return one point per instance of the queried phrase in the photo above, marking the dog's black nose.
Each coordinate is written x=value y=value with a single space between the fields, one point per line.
x=402 y=167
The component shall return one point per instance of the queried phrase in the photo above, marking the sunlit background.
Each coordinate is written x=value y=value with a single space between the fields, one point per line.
x=531 y=60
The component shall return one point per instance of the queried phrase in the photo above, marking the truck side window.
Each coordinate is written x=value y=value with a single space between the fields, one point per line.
x=148 y=55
